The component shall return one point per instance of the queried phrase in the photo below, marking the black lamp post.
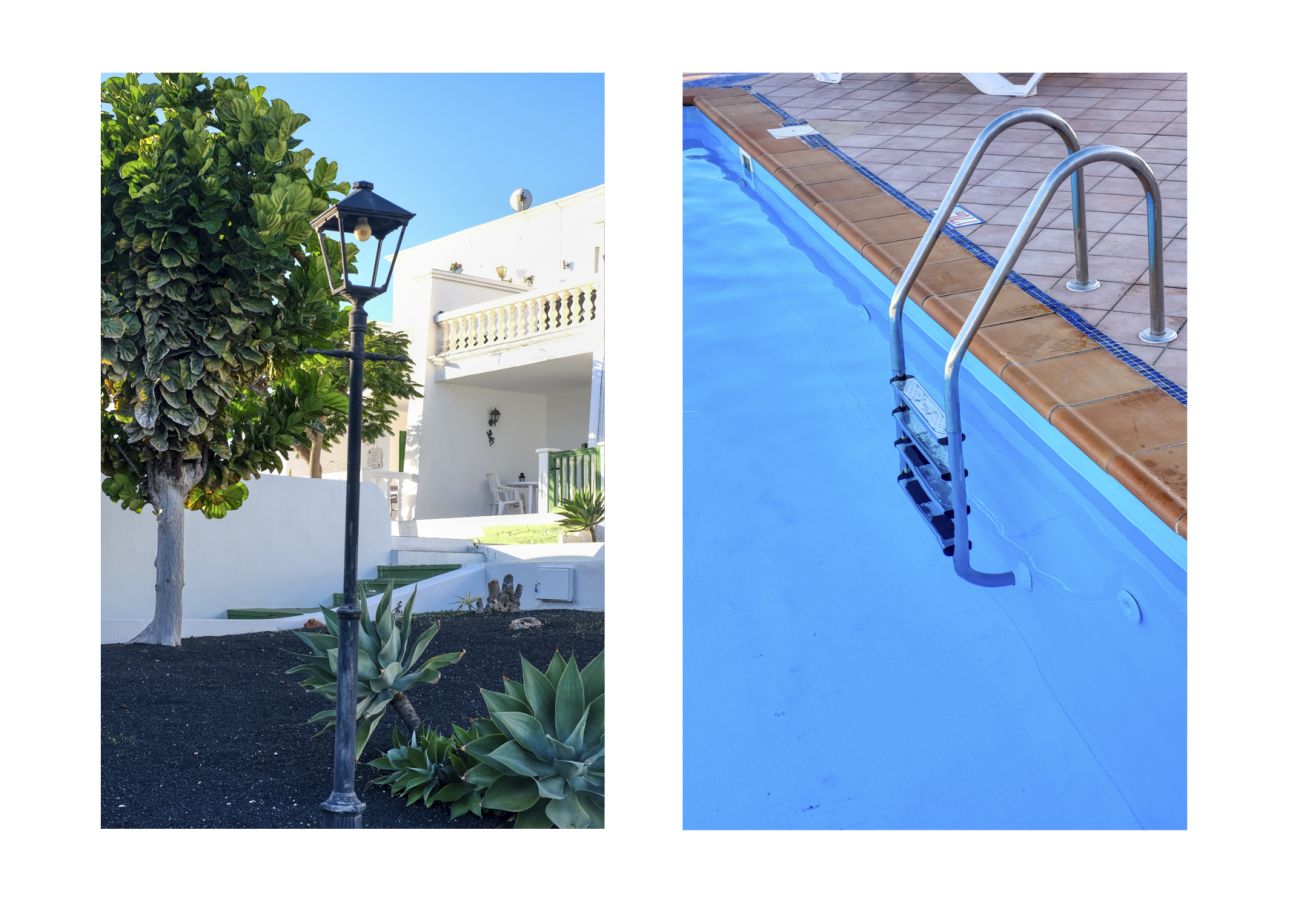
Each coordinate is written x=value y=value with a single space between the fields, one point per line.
x=363 y=214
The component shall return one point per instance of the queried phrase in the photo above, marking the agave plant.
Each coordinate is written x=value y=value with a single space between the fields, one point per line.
x=386 y=665
x=541 y=752
x=583 y=511
x=431 y=768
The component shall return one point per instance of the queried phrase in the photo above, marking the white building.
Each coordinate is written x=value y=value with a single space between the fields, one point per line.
x=506 y=321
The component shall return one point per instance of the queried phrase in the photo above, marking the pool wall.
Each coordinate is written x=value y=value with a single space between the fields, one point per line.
x=1123 y=686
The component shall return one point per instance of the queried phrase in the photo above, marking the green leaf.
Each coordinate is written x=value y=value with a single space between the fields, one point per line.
x=595 y=728
x=515 y=689
x=567 y=812
x=511 y=793
x=511 y=756
x=497 y=702
x=594 y=807
x=528 y=732
x=423 y=640
x=365 y=728
x=593 y=677
x=534 y=817
x=481 y=776
x=551 y=787
x=569 y=700
x=482 y=748
x=555 y=669
x=540 y=694
x=453 y=791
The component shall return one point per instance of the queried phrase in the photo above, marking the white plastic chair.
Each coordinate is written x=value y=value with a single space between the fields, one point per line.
x=504 y=497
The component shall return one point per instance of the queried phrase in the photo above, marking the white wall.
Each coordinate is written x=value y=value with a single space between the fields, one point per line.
x=455 y=456
x=524 y=560
x=283 y=547
x=533 y=242
x=567 y=412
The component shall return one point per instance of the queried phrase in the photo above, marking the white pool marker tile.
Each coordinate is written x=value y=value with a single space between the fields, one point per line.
x=963 y=218
x=792 y=131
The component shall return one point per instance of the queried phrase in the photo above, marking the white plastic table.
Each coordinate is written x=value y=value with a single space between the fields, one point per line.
x=529 y=489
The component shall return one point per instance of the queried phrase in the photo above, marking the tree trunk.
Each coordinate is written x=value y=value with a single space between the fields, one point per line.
x=316 y=442
x=170 y=481
x=406 y=712
x=310 y=454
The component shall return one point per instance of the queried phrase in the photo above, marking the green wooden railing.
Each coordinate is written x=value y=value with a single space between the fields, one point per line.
x=570 y=471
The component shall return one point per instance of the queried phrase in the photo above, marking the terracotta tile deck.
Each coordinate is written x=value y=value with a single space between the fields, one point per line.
x=1132 y=429
x=913 y=130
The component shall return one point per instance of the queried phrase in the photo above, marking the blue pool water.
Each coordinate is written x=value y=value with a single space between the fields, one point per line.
x=837 y=673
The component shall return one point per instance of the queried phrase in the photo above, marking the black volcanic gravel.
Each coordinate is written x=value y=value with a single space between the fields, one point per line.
x=214 y=734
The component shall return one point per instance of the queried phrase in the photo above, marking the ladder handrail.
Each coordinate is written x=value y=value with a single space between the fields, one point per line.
x=1159 y=330
x=959 y=183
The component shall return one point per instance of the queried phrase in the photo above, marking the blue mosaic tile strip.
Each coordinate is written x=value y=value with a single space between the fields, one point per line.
x=740 y=79
x=1114 y=347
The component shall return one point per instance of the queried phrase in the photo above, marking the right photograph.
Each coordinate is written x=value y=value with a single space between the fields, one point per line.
x=935 y=450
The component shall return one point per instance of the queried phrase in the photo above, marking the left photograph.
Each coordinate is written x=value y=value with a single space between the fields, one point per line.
x=352 y=450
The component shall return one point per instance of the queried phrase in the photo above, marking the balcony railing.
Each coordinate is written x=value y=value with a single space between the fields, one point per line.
x=515 y=318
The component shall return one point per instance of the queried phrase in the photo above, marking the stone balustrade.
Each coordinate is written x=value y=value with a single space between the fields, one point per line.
x=515 y=318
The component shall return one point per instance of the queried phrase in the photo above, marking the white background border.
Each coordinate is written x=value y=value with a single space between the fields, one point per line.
x=1242 y=599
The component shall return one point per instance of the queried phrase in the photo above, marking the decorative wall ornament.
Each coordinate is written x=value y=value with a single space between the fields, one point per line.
x=455 y=267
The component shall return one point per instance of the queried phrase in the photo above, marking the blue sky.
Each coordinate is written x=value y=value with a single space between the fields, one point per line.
x=451 y=148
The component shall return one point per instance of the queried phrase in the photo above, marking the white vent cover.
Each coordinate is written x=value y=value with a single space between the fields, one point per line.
x=555 y=583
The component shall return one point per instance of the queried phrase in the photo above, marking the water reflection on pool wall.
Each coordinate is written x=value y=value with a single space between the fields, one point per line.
x=837 y=672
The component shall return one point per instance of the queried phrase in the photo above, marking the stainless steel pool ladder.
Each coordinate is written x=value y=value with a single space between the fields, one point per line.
x=1157 y=332
x=923 y=442
x=930 y=437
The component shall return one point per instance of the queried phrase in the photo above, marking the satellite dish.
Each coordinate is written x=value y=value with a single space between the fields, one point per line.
x=521 y=199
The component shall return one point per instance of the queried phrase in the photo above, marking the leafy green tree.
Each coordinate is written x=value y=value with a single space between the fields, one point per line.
x=385 y=383
x=211 y=287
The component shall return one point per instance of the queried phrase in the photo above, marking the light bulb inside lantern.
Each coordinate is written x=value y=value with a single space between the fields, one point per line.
x=362 y=232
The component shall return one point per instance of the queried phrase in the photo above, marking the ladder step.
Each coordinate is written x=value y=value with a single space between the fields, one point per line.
x=912 y=427
x=926 y=412
x=934 y=515
x=930 y=476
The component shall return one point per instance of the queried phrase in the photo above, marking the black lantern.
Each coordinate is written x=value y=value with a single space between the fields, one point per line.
x=362 y=214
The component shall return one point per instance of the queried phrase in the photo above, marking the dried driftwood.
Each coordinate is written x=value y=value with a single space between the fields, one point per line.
x=504 y=597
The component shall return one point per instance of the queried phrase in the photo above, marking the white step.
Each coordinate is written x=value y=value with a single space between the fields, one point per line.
x=434 y=558
x=433 y=544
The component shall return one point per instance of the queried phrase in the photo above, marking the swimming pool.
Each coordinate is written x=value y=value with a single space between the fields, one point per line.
x=838 y=674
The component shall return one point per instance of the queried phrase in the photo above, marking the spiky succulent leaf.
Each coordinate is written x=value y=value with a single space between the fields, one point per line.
x=386 y=662
x=593 y=677
x=570 y=701
x=540 y=694
x=519 y=760
x=511 y=793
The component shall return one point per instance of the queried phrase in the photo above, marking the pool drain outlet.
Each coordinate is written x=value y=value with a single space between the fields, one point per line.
x=1129 y=606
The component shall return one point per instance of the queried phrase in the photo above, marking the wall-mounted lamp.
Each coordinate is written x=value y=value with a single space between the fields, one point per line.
x=494 y=416
x=501 y=272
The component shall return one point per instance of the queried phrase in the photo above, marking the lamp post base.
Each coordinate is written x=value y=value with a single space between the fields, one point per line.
x=342 y=811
